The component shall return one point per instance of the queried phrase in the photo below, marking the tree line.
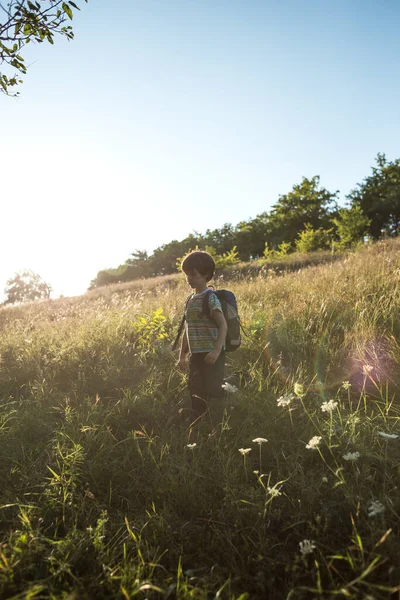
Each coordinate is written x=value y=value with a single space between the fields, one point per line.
x=306 y=219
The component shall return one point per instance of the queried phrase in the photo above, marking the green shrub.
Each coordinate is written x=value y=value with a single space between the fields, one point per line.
x=311 y=240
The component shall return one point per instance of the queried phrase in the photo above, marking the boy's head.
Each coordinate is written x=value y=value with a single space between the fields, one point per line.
x=200 y=261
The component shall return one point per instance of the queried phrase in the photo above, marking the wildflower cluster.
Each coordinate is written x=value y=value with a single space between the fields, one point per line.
x=314 y=442
x=285 y=400
x=352 y=456
x=244 y=451
x=329 y=406
x=307 y=547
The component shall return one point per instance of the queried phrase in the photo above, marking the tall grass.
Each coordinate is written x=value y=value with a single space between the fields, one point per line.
x=108 y=492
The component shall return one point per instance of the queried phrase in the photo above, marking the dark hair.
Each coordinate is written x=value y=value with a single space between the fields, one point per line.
x=202 y=261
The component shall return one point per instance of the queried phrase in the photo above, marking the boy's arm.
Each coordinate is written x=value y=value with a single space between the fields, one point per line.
x=183 y=352
x=220 y=321
x=184 y=345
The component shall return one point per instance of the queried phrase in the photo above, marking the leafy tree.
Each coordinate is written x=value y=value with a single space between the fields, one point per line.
x=105 y=277
x=378 y=196
x=219 y=239
x=311 y=240
x=306 y=203
x=250 y=237
x=138 y=256
x=139 y=265
x=26 y=286
x=351 y=225
x=163 y=260
x=24 y=22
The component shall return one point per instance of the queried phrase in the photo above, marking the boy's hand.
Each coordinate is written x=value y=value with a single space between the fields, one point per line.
x=182 y=364
x=212 y=356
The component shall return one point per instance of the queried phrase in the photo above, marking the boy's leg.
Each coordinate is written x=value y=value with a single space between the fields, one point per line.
x=215 y=394
x=214 y=377
x=197 y=381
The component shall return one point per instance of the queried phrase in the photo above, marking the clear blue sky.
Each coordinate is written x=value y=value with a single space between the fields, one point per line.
x=168 y=116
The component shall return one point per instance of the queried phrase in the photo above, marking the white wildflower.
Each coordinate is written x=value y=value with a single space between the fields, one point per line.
x=228 y=387
x=314 y=442
x=307 y=546
x=375 y=508
x=324 y=480
x=191 y=446
x=285 y=400
x=259 y=441
x=328 y=406
x=346 y=385
x=274 y=492
x=388 y=436
x=256 y=472
x=244 y=451
x=367 y=369
x=352 y=456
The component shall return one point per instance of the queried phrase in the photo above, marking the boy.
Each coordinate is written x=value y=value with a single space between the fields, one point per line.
x=204 y=338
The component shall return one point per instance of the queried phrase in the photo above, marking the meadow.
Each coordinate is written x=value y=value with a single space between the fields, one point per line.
x=287 y=489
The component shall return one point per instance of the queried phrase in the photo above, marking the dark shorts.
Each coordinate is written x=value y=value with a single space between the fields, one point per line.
x=205 y=381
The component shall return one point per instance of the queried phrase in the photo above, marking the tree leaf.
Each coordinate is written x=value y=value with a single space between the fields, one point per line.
x=67 y=9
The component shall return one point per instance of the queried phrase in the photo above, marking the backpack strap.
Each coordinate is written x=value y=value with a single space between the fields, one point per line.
x=182 y=323
x=206 y=307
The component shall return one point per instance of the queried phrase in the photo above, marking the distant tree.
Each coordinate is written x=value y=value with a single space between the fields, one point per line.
x=163 y=259
x=351 y=225
x=378 y=196
x=138 y=256
x=24 y=22
x=306 y=203
x=26 y=286
x=105 y=277
x=139 y=265
x=219 y=239
x=250 y=237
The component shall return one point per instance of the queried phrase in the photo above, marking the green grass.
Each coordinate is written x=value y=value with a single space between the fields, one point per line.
x=101 y=495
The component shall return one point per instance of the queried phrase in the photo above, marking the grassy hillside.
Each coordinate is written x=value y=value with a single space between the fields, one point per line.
x=107 y=492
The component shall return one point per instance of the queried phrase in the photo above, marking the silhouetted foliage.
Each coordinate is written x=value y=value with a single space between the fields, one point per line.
x=26 y=286
x=24 y=22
